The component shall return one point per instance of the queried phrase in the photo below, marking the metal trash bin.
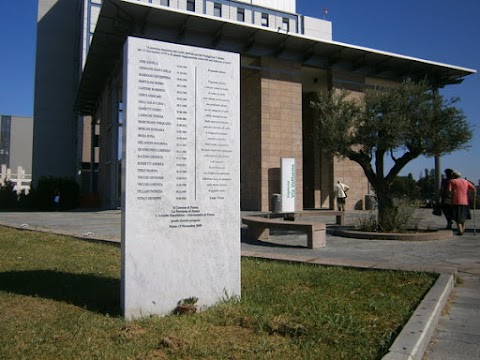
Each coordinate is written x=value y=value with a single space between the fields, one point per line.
x=276 y=203
x=370 y=202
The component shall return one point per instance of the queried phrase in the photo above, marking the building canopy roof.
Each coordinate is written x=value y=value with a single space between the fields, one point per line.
x=119 y=19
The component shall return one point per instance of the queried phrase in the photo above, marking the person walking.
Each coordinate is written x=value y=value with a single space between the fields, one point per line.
x=56 y=200
x=446 y=199
x=458 y=188
x=340 y=191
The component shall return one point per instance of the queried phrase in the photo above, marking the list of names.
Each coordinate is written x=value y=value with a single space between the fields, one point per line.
x=184 y=137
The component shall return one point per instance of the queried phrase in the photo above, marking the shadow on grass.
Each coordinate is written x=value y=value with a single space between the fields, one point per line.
x=91 y=292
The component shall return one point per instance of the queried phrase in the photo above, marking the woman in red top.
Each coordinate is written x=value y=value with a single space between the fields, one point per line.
x=459 y=189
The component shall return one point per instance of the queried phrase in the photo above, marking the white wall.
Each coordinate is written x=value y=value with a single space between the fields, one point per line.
x=317 y=28
x=21 y=143
x=56 y=83
x=283 y=5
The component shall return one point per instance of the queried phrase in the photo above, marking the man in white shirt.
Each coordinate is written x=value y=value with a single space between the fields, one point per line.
x=340 y=191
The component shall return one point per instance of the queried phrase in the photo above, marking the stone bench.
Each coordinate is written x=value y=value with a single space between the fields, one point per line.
x=259 y=228
x=339 y=215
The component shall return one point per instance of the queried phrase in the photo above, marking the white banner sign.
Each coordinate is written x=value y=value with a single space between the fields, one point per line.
x=288 y=184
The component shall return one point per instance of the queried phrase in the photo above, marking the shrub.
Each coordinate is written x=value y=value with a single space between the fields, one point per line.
x=8 y=196
x=369 y=224
x=397 y=220
x=43 y=193
x=24 y=200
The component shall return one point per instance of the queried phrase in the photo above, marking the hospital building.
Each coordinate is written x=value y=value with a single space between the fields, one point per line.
x=285 y=58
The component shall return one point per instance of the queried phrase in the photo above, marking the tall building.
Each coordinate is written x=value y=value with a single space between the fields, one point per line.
x=16 y=134
x=285 y=57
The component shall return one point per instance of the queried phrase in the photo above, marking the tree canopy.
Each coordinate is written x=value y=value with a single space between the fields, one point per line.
x=401 y=122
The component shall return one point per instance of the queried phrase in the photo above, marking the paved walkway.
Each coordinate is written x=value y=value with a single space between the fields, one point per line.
x=457 y=332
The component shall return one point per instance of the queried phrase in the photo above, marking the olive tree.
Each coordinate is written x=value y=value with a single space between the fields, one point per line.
x=401 y=122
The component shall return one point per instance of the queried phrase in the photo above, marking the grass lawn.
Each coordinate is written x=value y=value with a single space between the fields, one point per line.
x=59 y=299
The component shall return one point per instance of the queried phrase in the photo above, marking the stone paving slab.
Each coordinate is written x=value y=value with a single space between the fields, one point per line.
x=458 y=331
x=448 y=335
x=453 y=350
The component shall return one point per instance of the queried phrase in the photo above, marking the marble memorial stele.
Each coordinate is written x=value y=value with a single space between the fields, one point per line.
x=180 y=180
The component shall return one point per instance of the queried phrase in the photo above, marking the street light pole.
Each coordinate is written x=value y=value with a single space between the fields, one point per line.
x=438 y=178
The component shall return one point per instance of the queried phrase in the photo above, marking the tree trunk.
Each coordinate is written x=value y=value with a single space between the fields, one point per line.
x=387 y=211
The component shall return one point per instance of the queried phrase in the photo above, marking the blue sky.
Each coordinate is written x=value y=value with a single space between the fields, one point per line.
x=436 y=30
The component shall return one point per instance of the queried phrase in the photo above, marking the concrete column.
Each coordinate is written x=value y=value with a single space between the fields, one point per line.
x=271 y=128
x=281 y=126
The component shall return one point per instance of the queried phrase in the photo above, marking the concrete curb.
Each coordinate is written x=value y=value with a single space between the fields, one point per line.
x=413 y=340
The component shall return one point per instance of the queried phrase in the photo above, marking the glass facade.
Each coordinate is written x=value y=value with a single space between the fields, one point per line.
x=5 y=129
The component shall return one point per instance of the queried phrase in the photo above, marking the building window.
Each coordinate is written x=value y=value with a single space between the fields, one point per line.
x=264 y=19
x=241 y=14
x=285 y=25
x=165 y=2
x=120 y=131
x=217 y=9
x=191 y=5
